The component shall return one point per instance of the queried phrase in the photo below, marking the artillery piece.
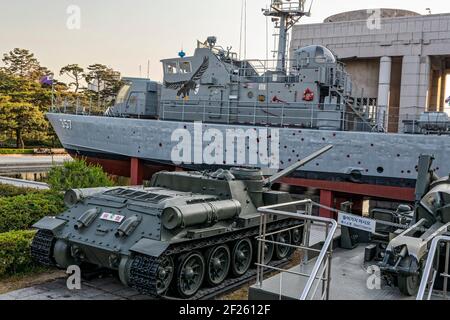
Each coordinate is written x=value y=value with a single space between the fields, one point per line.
x=407 y=252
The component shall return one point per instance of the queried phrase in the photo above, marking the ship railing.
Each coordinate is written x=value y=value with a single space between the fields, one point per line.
x=320 y=276
x=290 y=6
x=79 y=106
x=432 y=267
x=254 y=113
x=306 y=115
x=264 y=70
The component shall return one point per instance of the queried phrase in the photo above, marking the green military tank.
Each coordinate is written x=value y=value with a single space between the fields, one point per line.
x=187 y=231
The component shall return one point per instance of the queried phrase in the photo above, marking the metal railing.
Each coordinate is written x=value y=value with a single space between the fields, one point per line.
x=321 y=272
x=257 y=113
x=432 y=267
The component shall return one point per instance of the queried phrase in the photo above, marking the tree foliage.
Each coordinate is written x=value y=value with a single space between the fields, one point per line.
x=104 y=83
x=76 y=73
x=78 y=174
x=22 y=63
x=22 y=119
x=27 y=99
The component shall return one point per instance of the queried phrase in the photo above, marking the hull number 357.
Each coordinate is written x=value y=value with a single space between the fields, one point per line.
x=66 y=124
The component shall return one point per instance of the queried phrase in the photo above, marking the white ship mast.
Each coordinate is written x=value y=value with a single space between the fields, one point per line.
x=287 y=13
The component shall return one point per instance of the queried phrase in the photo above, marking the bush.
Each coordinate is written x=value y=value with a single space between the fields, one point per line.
x=11 y=191
x=15 y=252
x=77 y=174
x=16 y=151
x=21 y=212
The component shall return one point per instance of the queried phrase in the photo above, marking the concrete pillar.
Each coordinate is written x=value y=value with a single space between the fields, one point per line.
x=384 y=87
x=414 y=87
x=440 y=94
x=137 y=172
x=326 y=199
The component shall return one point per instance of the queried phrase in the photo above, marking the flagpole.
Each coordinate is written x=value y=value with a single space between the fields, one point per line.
x=53 y=93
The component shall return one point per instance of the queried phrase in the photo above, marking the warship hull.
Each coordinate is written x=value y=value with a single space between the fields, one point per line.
x=357 y=157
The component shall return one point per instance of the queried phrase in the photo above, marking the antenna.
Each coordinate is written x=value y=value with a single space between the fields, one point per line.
x=287 y=13
x=240 y=31
x=148 y=69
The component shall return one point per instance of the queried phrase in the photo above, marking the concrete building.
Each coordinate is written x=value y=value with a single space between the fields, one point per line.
x=398 y=57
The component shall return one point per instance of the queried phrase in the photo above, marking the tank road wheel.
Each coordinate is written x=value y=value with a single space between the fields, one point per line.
x=190 y=275
x=296 y=236
x=241 y=258
x=281 y=251
x=164 y=275
x=217 y=265
x=409 y=285
x=269 y=248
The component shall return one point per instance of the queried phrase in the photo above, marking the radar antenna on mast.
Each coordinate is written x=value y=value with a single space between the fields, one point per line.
x=289 y=13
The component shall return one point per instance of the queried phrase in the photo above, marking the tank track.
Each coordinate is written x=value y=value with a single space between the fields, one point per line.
x=143 y=268
x=42 y=248
x=143 y=274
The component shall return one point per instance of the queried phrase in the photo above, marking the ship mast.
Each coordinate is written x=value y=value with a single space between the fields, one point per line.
x=289 y=13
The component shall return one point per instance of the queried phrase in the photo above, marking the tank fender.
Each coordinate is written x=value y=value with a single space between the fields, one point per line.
x=150 y=247
x=49 y=223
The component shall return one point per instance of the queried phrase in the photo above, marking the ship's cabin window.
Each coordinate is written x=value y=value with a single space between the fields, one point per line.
x=172 y=67
x=185 y=67
x=175 y=67
x=123 y=93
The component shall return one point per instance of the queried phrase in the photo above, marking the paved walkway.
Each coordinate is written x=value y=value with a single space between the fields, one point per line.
x=108 y=288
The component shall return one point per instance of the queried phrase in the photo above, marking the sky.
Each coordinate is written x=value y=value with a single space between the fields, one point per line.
x=126 y=34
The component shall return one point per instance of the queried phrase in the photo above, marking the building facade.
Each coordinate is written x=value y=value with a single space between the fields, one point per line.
x=398 y=57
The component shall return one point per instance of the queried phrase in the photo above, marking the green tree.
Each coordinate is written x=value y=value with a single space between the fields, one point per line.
x=77 y=174
x=104 y=83
x=20 y=119
x=22 y=62
x=75 y=72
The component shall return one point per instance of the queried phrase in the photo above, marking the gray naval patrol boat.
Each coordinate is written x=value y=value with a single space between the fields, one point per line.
x=210 y=101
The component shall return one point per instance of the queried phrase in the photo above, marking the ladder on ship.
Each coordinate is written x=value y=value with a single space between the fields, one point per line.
x=362 y=108
x=432 y=267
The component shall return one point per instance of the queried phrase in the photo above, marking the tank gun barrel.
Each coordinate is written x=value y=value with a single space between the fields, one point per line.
x=269 y=181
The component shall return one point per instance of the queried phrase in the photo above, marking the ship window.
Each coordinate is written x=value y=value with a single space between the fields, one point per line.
x=172 y=67
x=185 y=67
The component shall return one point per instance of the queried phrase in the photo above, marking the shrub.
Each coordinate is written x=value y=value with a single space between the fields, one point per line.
x=77 y=174
x=16 y=151
x=15 y=252
x=21 y=212
x=11 y=191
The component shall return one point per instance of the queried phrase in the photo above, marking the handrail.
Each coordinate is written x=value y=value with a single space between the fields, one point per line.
x=326 y=249
x=429 y=265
